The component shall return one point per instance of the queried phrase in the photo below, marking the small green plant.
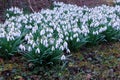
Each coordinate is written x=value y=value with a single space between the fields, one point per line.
x=46 y=57
x=10 y=39
x=9 y=48
x=111 y=34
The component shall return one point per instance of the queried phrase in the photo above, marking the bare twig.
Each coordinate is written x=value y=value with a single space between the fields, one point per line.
x=31 y=6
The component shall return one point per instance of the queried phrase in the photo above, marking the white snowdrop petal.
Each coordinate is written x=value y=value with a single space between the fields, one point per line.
x=63 y=57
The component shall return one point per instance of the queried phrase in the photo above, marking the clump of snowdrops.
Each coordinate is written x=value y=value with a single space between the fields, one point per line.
x=43 y=37
x=117 y=2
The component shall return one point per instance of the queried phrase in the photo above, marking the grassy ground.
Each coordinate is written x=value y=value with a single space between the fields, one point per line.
x=100 y=62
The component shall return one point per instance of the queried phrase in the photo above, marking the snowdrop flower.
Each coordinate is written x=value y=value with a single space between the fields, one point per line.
x=49 y=35
x=22 y=47
x=68 y=51
x=52 y=40
x=33 y=45
x=58 y=29
x=63 y=57
x=29 y=48
x=46 y=45
x=71 y=38
x=51 y=30
x=61 y=36
x=10 y=38
x=57 y=45
x=45 y=42
x=17 y=34
x=2 y=35
x=75 y=35
x=34 y=29
x=53 y=48
x=65 y=45
x=28 y=27
x=95 y=32
x=67 y=38
x=37 y=50
x=25 y=22
x=30 y=34
x=75 y=29
x=7 y=15
x=30 y=42
x=59 y=41
x=78 y=40
x=27 y=37
x=42 y=32
x=62 y=48
x=66 y=33
x=102 y=29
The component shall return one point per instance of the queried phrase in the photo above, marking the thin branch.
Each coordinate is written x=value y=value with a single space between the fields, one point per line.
x=31 y=6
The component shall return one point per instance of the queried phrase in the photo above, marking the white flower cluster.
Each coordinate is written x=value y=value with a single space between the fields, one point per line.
x=117 y=1
x=9 y=31
x=13 y=11
x=54 y=28
x=2 y=31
